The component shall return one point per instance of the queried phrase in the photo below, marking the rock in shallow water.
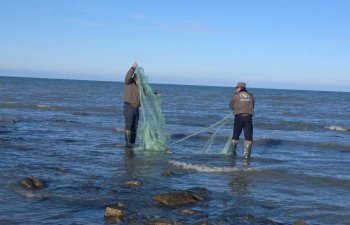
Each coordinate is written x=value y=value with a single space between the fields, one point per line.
x=182 y=197
x=112 y=212
x=32 y=182
x=300 y=222
x=167 y=174
x=190 y=212
x=201 y=223
x=133 y=183
x=160 y=222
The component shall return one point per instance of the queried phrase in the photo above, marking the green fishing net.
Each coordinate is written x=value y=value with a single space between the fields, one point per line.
x=152 y=133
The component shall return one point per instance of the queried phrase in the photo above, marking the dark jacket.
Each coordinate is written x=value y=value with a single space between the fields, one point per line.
x=242 y=103
x=131 y=89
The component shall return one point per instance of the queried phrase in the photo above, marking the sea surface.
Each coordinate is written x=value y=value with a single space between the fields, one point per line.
x=69 y=133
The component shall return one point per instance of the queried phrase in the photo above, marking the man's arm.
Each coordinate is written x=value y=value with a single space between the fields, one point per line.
x=253 y=100
x=130 y=73
x=232 y=103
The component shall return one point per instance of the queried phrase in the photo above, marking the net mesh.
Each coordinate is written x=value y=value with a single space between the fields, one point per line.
x=152 y=134
x=217 y=129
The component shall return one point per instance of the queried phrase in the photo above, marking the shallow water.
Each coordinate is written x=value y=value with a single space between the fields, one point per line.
x=69 y=133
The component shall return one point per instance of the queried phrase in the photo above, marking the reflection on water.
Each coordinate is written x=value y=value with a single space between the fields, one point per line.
x=240 y=184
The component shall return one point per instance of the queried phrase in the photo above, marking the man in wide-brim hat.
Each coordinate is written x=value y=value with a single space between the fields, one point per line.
x=242 y=104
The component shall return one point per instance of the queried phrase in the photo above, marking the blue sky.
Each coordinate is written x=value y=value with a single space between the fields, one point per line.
x=293 y=44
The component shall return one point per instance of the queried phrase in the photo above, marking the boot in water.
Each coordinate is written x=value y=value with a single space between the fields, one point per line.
x=233 y=147
x=133 y=137
x=128 y=138
x=247 y=150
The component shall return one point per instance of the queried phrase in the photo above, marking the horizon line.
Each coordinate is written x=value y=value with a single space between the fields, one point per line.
x=177 y=84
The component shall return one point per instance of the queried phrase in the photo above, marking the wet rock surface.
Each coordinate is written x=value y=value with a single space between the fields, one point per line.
x=300 y=222
x=32 y=182
x=201 y=223
x=190 y=212
x=182 y=197
x=252 y=219
x=114 y=212
x=160 y=222
x=133 y=183
x=167 y=173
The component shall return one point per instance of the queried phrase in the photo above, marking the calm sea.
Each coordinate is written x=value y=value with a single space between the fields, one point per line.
x=69 y=134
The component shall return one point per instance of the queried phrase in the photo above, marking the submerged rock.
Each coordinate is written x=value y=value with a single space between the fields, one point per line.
x=113 y=212
x=300 y=222
x=32 y=182
x=201 y=223
x=175 y=198
x=133 y=183
x=248 y=217
x=160 y=222
x=182 y=197
x=167 y=174
x=190 y=212
x=8 y=120
x=252 y=219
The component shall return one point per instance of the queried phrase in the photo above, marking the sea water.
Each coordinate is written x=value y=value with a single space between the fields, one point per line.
x=70 y=134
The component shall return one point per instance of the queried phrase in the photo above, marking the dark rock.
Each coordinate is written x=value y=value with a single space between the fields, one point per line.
x=201 y=223
x=32 y=182
x=300 y=222
x=175 y=198
x=270 y=222
x=160 y=222
x=252 y=219
x=248 y=217
x=182 y=197
x=199 y=192
x=168 y=174
x=133 y=183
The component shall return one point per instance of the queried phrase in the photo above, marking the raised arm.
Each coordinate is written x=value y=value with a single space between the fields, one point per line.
x=130 y=73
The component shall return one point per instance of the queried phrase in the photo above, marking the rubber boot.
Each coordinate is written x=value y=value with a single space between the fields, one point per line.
x=128 y=138
x=133 y=137
x=247 y=150
x=233 y=147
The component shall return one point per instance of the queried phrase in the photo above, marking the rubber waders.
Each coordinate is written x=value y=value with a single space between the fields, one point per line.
x=133 y=137
x=247 y=150
x=233 y=147
x=128 y=138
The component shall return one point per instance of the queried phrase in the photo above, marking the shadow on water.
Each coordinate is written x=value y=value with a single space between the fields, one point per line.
x=268 y=142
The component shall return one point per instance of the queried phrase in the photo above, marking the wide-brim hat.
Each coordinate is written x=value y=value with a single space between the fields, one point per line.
x=241 y=85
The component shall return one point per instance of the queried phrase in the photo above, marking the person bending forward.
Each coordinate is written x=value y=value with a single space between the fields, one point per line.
x=242 y=104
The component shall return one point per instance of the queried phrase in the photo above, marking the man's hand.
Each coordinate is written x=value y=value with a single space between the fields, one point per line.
x=134 y=65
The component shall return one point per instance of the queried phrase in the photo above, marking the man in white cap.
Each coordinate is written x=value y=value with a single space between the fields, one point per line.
x=242 y=104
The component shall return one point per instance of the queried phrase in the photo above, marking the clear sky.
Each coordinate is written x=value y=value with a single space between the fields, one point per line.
x=293 y=44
